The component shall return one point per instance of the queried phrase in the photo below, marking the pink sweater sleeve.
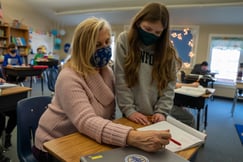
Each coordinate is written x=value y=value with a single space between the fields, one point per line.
x=107 y=132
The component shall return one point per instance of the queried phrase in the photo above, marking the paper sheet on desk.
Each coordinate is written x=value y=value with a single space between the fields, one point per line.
x=186 y=135
x=191 y=91
x=7 y=85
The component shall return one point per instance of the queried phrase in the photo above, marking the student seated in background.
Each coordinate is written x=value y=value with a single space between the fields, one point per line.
x=41 y=51
x=181 y=113
x=201 y=69
x=13 y=59
x=84 y=99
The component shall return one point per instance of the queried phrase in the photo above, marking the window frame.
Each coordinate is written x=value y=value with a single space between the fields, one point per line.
x=211 y=36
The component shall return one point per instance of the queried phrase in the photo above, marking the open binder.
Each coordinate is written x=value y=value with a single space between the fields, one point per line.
x=187 y=136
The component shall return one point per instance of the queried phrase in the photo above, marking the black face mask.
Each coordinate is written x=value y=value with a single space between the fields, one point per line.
x=146 y=37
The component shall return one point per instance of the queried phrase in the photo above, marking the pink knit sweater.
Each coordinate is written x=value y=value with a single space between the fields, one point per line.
x=82 y=105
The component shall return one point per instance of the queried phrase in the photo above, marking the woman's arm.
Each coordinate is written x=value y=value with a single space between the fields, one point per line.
x=194 y=84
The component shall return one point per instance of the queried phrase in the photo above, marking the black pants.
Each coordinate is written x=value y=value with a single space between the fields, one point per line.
x=14 y=79
x=12 y=121
x=42 y=156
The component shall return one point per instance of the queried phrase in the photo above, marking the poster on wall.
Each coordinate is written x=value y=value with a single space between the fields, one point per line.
x=37 y=39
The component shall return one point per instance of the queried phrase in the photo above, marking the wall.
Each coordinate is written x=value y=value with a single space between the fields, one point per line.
x=17 y=9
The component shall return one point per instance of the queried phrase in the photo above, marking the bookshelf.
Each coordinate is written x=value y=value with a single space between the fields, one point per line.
x=4 y=38
x=17 y=35
x=20 y=36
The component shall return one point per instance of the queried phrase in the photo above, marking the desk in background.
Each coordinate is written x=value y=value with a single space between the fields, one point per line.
x=198 y=103
x=26 y=72
x=49 y=62
x=10 y=96
x=71 y=147
x=204 y=80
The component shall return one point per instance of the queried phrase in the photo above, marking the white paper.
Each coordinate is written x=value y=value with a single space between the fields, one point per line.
x=7 y=85
x=191 y=91
x=187 y=136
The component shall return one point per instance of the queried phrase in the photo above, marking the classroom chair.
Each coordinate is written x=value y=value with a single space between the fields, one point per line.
x=51 y=74
x=29 y=111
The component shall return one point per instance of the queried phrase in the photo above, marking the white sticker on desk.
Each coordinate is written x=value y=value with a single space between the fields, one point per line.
x=136 y=158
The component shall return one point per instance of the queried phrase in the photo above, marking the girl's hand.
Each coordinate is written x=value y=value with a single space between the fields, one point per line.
x=157 y=118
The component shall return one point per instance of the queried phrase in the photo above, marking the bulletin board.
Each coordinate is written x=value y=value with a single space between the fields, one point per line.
x=38 y=39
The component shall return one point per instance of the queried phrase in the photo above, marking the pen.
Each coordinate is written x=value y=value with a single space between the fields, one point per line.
x=176 y=142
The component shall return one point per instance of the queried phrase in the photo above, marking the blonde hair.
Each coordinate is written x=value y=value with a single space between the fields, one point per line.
x=165 y=55
x=83 y=45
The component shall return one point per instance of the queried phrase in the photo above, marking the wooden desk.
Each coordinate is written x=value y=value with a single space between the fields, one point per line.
x=26 y=72
x=10 y=96
x=198 y=103
x=238 y=85
x=71 y=147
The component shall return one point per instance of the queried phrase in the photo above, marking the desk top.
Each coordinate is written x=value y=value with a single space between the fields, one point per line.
x=24 y=68
x=14 y=90
x=71 y=147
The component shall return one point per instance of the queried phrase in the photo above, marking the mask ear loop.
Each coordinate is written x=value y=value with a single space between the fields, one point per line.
x=93 y=59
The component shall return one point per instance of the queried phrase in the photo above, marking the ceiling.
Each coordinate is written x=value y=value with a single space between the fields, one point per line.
x=182 y=12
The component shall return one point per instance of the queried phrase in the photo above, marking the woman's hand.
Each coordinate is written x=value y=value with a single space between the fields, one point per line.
x=150 y=141
x=157 y=118
x=2 y=80
x=139 y=118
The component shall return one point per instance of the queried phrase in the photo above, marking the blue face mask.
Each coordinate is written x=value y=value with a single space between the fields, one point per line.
x=13 y=51
x=101 y=57
x=146 y=37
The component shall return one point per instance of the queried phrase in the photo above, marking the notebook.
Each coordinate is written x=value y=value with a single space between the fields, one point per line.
x=131 y=154
x=185 y=135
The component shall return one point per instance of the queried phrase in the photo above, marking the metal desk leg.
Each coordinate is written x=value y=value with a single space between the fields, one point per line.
x=234 y=103
x=31 y=83
x=42 y=89
x=206 y=117
x=198 y=118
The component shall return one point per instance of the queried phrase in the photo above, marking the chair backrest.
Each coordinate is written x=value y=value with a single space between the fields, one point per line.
x=29 y=111
x=183 y=75
x=52 y=74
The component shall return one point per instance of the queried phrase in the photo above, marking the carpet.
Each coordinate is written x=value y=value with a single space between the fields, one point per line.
x=239 y=129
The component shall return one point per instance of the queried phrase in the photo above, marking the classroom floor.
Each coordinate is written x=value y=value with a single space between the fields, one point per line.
x=222 y=143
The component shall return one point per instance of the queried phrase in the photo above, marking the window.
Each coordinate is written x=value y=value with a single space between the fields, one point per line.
x=184 y=40
x=225 y=55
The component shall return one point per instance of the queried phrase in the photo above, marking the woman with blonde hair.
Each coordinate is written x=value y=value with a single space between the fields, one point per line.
x=145 y=66
x=84 y=99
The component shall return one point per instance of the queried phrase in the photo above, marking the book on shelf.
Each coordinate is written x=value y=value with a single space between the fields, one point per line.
x=185 y=135
x=194 y=91
x=20 y=41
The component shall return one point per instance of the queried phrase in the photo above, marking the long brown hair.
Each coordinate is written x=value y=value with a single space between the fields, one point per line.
x=165 y=56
